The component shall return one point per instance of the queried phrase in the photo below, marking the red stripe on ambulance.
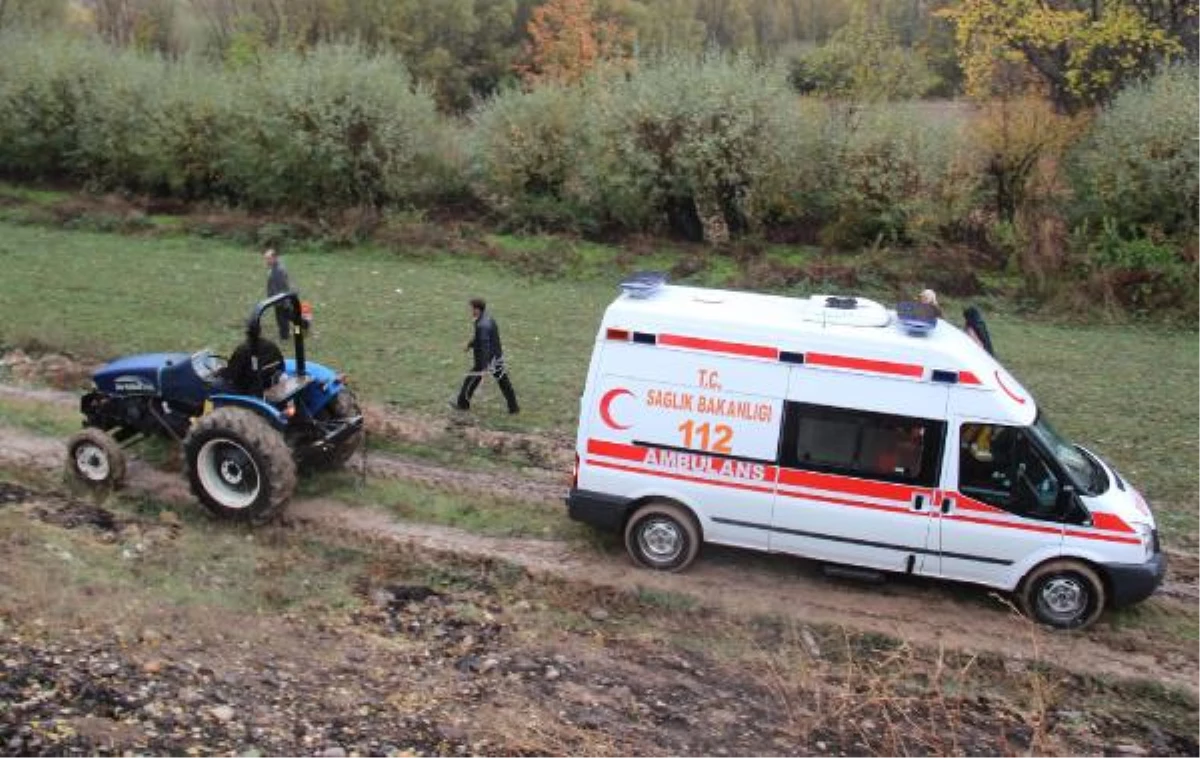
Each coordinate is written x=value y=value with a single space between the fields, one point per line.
x=616 y=450
x=718 y=346
x=1104 y=537
x=967 y=504
x=864 y=364
x=680 y=477
x=1111 y=522
x=899 y=494
x=847 y=485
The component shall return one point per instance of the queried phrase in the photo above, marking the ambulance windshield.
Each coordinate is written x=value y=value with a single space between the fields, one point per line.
x=1087 y=475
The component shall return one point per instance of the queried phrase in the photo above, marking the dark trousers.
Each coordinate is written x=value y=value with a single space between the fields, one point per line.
x=283 y=317
x=500 y=374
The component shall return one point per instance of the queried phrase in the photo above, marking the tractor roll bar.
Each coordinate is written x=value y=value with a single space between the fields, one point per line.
x=253 y=327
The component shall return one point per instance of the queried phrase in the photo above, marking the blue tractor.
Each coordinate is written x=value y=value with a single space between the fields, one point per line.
x=246 y=424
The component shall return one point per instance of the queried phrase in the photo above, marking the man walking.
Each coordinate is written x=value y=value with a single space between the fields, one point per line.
x=489 y=358
x=277 y=282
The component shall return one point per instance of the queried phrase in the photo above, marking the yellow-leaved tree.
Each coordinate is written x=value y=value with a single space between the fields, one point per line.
x=1080 y=51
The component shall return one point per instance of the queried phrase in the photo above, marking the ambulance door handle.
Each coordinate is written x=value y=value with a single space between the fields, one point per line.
x=947 y=504
x=918 y=502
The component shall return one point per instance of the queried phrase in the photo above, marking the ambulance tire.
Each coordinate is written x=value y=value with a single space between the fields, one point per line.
x=1064 y=594
x=662 y=536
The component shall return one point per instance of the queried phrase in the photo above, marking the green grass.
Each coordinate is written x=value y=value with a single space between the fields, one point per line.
x=476 y=513
x=31 y=195
x=1130 y=393
x=397 y=327
x=44 y=418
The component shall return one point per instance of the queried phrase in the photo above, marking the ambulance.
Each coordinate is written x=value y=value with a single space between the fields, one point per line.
x=832 y=428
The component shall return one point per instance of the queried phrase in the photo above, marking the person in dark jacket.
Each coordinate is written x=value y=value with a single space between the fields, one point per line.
x=489 y=359
x=277 y=282
x=249 y=377
x=976 y=329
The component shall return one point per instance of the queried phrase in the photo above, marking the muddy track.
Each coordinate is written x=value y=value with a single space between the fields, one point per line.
x=924 y=612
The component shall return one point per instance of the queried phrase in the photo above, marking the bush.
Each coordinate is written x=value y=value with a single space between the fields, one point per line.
x=334 y=129
x=44 y=83
x=525 y=151
x=700 y=145
x=1138 y=166
x=902 y=174
x=681 y=143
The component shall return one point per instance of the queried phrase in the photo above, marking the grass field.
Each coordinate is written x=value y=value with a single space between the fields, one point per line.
x=398 y=326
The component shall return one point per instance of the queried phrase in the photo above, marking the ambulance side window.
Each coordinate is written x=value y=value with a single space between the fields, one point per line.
x=862 y=444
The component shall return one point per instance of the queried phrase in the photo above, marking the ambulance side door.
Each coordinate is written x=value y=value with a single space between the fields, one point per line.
x=859 y=464
x=998 y=509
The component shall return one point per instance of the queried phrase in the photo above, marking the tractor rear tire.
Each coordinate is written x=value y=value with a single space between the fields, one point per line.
x=95 y=460
x=345 y=405
x=239 y=467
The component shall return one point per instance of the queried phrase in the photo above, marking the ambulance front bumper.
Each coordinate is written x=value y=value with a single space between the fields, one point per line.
x=1134 y=582
x=597 y=509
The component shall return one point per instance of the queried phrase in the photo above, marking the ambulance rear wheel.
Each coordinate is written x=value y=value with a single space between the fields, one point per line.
x=1063 y=594
x=662 y=536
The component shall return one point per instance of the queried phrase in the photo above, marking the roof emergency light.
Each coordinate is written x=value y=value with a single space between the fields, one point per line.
x=916 y=318
x=643 y=284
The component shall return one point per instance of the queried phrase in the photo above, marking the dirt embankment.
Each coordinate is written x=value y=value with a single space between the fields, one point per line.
x=481 y=660
x=926 y=612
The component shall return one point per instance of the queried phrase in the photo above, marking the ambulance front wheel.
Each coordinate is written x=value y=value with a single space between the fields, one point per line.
x=662 y=536
x=1063 y=594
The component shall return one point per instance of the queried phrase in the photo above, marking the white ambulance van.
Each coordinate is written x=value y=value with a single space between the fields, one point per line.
x=825 y=428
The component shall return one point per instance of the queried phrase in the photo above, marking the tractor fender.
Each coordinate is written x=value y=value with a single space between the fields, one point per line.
x=325 y=386
x=257 y=405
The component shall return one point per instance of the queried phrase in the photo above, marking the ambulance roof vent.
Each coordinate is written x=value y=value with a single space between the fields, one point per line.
x=643 y=284
x=837 y=310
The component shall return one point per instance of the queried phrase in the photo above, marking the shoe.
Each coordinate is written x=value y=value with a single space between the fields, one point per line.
x=455 y=406
x=514 y=411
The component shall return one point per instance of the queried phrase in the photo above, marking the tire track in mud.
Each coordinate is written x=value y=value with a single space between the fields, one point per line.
x=925 y=612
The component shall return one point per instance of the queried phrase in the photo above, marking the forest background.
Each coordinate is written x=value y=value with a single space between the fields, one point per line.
x=1055 y=140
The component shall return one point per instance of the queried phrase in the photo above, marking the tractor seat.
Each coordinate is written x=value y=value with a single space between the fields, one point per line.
x=286 y=388
x=239 y=376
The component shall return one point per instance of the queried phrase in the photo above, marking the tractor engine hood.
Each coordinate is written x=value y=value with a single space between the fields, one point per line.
x=134 y=374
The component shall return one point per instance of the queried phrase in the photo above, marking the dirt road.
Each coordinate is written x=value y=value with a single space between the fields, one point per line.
x=927 y=613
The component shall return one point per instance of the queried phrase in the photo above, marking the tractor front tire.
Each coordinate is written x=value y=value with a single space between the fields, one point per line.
x=95 y=460
x=239 y=467
x=345 y=405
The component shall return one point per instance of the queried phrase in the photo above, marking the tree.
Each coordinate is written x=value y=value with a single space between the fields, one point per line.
x=567 y=39
x=31 y=12
x=1081 y=51
x=863 y=60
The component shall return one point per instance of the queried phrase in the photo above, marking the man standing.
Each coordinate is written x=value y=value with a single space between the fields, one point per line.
x=277 y=282
x=489 y=358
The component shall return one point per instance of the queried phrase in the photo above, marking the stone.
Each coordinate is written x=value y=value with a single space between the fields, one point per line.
x=598 y=614
x=334 y=751
x=1130 y=749
x=222 y=713
x=152 y=667
x=552 y=673
x=488 y=664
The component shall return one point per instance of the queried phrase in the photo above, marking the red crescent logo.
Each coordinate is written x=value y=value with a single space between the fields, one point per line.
x=606 y=401
x=1007 y=391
